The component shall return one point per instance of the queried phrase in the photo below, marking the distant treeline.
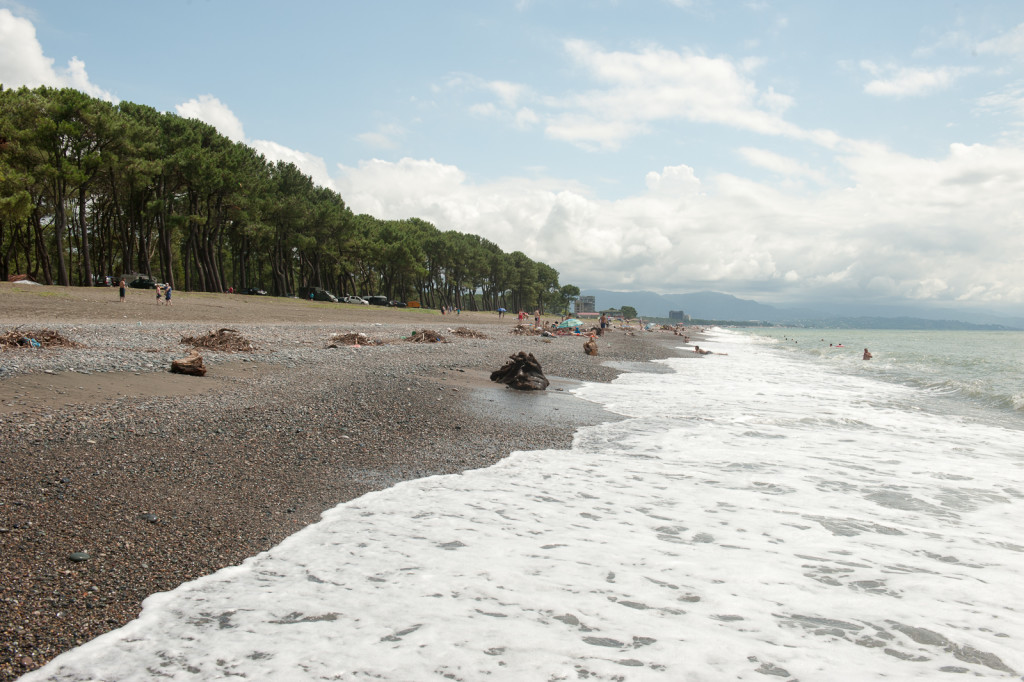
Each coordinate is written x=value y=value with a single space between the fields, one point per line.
x=89 y=189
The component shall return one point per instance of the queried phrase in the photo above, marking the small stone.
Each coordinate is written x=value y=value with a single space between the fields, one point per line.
x=151 y=518
x=78 y=557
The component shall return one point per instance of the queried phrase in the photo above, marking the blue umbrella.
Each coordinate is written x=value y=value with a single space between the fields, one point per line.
x=570 y=322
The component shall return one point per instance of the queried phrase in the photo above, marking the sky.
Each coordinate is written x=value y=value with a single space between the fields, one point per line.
x=787 y=152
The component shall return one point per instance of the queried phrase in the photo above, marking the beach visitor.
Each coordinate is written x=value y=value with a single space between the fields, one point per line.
x=867 y=354
x=121 y=291
x=536 y=317
x=159 y=293
x=167 y=294
x=696 y=349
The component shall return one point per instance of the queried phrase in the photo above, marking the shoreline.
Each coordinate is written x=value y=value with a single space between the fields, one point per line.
x=164 y=478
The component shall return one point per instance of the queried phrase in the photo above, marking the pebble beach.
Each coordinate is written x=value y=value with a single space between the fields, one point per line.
x=119 y=479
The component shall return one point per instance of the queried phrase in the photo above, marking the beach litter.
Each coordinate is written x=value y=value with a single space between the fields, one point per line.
x=525 y=330
x=227 y=340
x=521 y=372
x=426 y=336
x=38 y=338
x=467 y=333
x=357 y=339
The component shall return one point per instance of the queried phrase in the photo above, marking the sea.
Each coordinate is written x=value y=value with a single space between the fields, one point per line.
x=780 y=509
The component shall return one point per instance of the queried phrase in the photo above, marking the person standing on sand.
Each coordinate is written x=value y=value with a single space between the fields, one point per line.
x=159 y=293
x=121 y=291
x=536 y=318
x=167 y=294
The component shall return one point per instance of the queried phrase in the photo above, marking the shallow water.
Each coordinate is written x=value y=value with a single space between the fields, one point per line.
x=757 y=514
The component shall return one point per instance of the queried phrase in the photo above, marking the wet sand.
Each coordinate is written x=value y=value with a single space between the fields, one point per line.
x=162 y=478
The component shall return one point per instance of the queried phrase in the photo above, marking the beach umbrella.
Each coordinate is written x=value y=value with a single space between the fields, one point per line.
x=570 y=322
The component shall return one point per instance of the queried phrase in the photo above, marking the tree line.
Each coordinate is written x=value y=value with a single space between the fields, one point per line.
x=90 y=189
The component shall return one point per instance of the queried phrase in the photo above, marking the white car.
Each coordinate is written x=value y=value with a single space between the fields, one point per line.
x=354 y=299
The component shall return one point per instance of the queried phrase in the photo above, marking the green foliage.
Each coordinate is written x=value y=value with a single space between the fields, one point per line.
x=87 y=187
x=628 y=312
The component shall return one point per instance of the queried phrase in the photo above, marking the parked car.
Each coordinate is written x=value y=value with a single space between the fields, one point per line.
x=142 y=283
x=316 y=294
x=397 y=304
x=354 y=299
x=376 y=300
x=252 y=291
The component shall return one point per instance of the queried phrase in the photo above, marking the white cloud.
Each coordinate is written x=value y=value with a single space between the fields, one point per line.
x=209 y=109
x=384 y=137
x=894 y=81
x=782 y=165
x=1011 y=42
x=923 y=229
x=23 y=63
x=655 y=84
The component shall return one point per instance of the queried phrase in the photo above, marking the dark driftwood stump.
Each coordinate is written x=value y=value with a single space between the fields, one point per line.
x=522 y=372
x=193 y=365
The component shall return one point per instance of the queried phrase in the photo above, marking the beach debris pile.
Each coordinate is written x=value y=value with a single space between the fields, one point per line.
x=37 y=338
x=426 y=336
x=467 y=333
x=353 y=339
x=525 y=330
x=227 y=340
x=192 y=365
x=522 y=372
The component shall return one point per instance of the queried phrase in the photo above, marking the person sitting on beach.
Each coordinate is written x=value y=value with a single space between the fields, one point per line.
x=867 y=354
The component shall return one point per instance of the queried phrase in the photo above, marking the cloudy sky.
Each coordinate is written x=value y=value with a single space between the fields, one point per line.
x=783 y=151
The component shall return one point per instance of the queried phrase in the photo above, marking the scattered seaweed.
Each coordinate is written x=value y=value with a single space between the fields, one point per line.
x=467 y=333
x=226 y=340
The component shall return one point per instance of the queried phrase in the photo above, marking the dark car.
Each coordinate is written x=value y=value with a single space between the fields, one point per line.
x=142 y=283
x=397 y=304
x=316 y=294
x=376 y=300
x=252 y=291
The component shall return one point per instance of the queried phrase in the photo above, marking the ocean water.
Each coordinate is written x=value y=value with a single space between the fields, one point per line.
x=784 y=511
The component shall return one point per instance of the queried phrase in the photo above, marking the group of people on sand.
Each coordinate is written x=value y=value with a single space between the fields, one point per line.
x=163 y=293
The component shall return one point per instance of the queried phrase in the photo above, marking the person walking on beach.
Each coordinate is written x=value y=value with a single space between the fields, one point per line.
x=120 y=289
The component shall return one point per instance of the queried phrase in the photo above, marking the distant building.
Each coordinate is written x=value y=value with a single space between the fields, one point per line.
x=585 y=304
x=677 y=315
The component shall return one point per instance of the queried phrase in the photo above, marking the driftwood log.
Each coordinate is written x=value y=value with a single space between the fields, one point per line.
x=590 y=346
x=193 y=365
x=522 y=372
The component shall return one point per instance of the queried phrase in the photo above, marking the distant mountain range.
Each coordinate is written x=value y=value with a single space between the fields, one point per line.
x=711 y=305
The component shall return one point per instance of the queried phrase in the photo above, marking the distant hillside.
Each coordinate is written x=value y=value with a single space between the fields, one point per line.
x=711 y=305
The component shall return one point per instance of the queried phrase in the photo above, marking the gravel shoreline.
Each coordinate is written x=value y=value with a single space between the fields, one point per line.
x=161 y=479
